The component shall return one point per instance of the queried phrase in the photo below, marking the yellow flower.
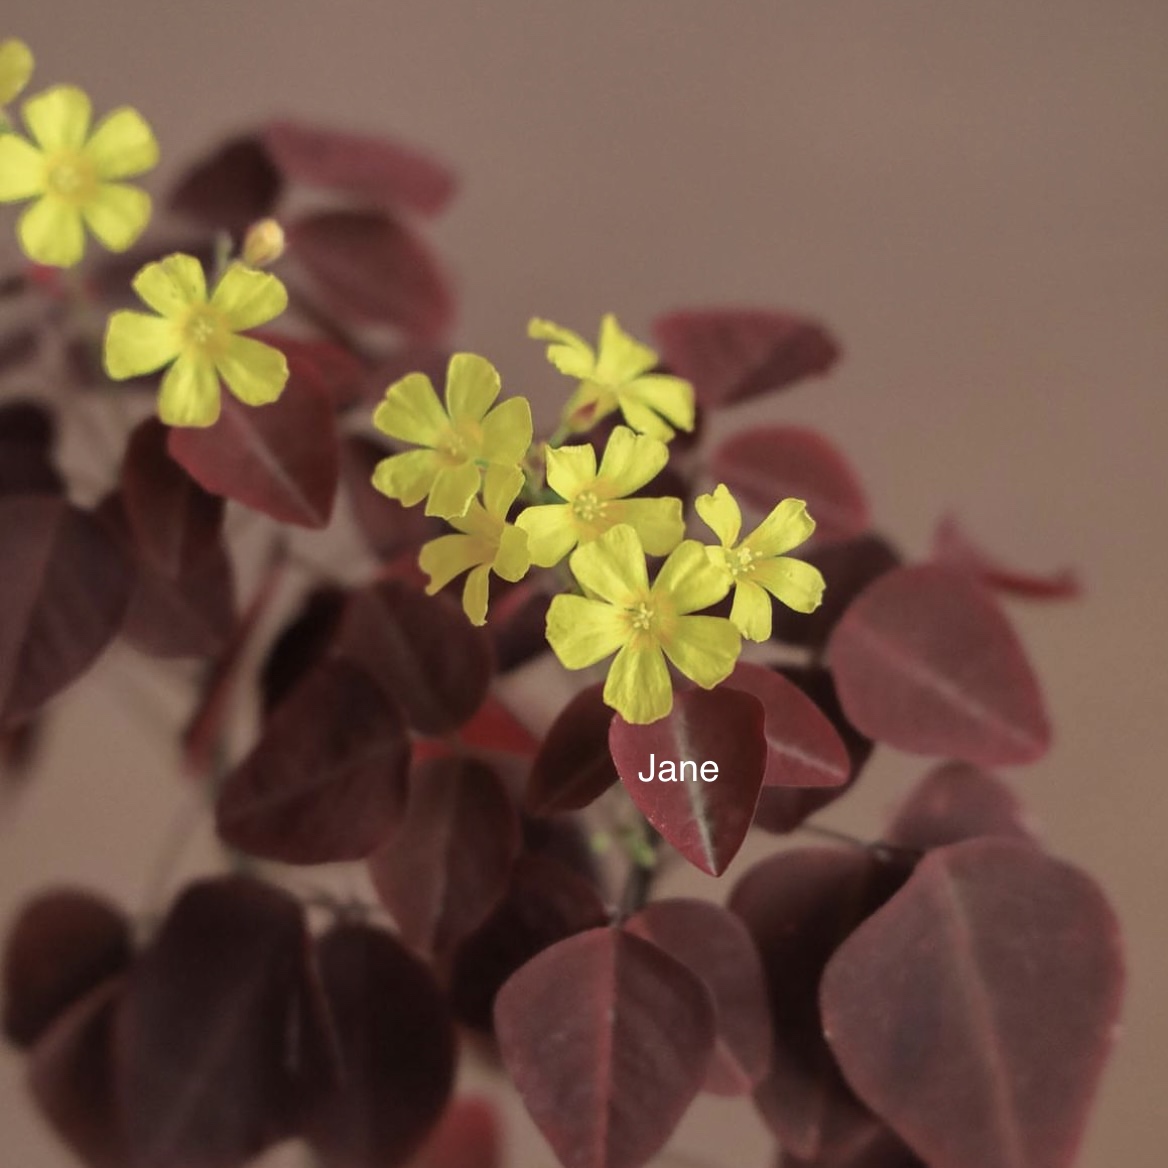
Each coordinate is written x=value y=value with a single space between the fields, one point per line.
x=73 y=176
x=459 y=441
x=643 y=625
x=757 y=565
x=616 y=376
x=200 y=337
x=485 y=542
x=16 y=65
x=595 y=500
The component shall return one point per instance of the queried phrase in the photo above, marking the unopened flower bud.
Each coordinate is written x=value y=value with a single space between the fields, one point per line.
x=263 y=244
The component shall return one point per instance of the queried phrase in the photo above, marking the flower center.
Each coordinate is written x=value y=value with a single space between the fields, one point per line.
x=588 y=507
x=741 y=562
x=70 y=176
x=458 y=445
x=204 y=331
x=642 y=617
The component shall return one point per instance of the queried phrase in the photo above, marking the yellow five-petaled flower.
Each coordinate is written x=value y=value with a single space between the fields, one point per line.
x=643 y=624
x=200 y=336
x=758 y=564
x=74 y=176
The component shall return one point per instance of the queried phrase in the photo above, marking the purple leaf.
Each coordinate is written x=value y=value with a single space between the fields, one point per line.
x=574 y=766
x=27 y=438
x=230 y=188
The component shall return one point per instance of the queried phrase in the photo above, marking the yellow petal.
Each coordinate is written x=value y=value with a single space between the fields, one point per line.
x=117 y=214
x=644 y=420
x=122 y=145
x=501 y=487
x=58 y=118
x=631 y=460
x=172 y=285
x=620 y=358
x=690 y=580
x=513 y=557
x=588 y=405
x=472 y=384
x=51 y=233
x=671 y=397
x=256 y=373
x=704 y=648
x=16 y=65
x=659 y=522
x=569 y=352
x=137 y=343
x=721 y=514
x=786 y=527
x=407 y=477
x=450 y=555
x=248 y=298
x=475 y=521
x=613 y=567
x=507 y=431
x=638 y=685
x=453 y=489
x=476 y=592
x=551 y=534
x=571 y=469
x=22 y=169
x=412 y=412
x=751 y=611
x=582 y=631
x=189 y=394
x=796 y=584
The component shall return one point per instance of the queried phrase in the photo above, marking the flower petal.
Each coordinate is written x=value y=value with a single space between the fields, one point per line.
x=248 y=298
x=620 y=358
x=189 y=394
x=659 y=522
x=570 y=469
x=122 y=145
x=472 y=384
x=582 y=631
x=796 y=584
x=786 y=527
x=501 y=487
x=751 y=611
x=704 y=648
x=117 y=214
x=22 y=169
x=407 y=477
x=256 y=373
x=669 y=396
x=51 y=232
x=690 y=580
x=507 y=431
x=16 y=65
x=172 y=285
x=58 y=118
x=588 y=405
x=513 y=557
x=551 y=534
x=412 y=412
x=569 y=352
x=721 y=514
x=137 y=343
x=642 y=419
x=450 y=555
x=613 y=567
x=475 y=521
x=453 y=489
x=630 y=461
x=475 y=595
x=638 y=685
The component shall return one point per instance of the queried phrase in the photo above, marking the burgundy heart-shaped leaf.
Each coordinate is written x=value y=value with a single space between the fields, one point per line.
x=27 y=438
x=340 y=371
x=469 y=1135
x=716 y=946
x=231 y=188
x=731 y=354
x=764 y=465
x=302 y=643
x=449 y=863
x=633 y=1035
x=1004 y=967
x=715 y=732
x=518 y=624
x=925 y=661
x=574 y=765
x=803 y=748
x=327 y=781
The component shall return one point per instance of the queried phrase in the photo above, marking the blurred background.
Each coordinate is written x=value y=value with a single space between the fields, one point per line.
x=972 y=197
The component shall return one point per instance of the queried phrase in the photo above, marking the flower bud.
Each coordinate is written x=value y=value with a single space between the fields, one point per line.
x=263 y=244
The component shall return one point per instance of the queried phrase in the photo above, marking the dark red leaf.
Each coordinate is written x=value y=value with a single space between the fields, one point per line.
x=565 y=839
x=450 y=862
x=874 y=1146
x=231 y=188
x=19 y=748
x=706 y=819
x=953 y=802
x=327 y=781
x=545 y=903
x=1004 y=968
x=803 y=747
x=954 y=549
x=574 y=766
x=64 y=588
x=372 y=269
x=732 y=354
x=495 y=729
x=375 y=169
x=518 y=625
x=302 y=643
x=396 y=1045
x=281 y=459
x=798 y=907
x=467 y=1136
x=925 y=661
x=771 y=463
x=213 y=1034
x=338 y=370
x=716 y=946
x=422 y=650
x=63 y=944
x=632 y=1034
x=27 y=437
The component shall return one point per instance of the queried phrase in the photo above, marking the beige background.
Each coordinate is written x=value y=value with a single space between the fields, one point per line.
x=973 y=195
